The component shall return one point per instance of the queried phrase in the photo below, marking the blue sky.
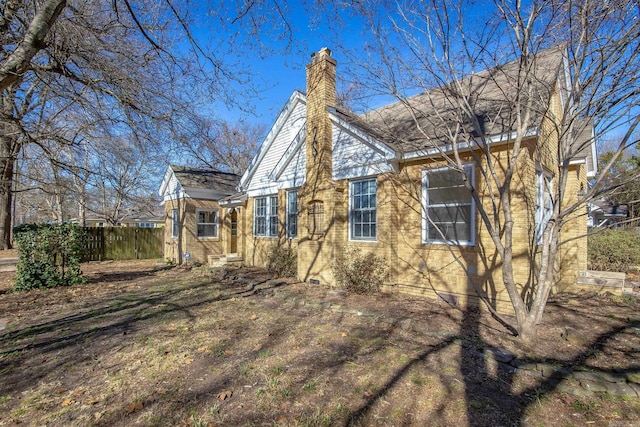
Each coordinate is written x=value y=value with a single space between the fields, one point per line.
x=282 y=73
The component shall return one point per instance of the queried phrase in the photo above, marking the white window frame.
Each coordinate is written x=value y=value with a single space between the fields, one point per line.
x=372 y=237
x=544 y=202
x=292 y=214
x=215 y=223
x=269 y=217
x=175 y=223
x=426 y=225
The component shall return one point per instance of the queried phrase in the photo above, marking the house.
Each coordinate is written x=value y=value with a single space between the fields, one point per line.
x=139 y=222
x=196 y=228
x=603 y=213
x=325 y=179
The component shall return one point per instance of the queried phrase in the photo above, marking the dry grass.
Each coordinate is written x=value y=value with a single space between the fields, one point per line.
x=143 y=347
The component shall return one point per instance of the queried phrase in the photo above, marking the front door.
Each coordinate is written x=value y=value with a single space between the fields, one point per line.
x=234 y=232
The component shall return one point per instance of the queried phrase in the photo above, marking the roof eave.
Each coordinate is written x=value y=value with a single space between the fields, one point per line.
x=286 y=111
x=445 y=149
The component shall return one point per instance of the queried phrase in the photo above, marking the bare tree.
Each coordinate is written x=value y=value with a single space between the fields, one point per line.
x=221 y=145
x=120 y=181
x=122 y=67
x=451 y=54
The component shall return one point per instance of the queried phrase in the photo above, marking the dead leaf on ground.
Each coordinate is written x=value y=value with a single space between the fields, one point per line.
x=68 y=401
x=60 y=390
x=132 y=407
x=187 y=421
x=228 y=352
x=225 y=395
x=253 y=317
x=78 y=392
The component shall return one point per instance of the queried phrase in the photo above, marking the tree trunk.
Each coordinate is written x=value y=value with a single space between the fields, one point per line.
x=18 y=61
x=6 y=194
x=9 y=137
x=82 y=210
x=527 y=332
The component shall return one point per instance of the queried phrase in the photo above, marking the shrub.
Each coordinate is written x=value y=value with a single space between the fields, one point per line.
x=49 y=255
x=283 y=261
x=360 y=272
x=614 y=250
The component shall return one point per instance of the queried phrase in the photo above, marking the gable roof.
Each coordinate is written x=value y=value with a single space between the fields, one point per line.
x=294 y=100
x=425 y=120
x=183 y=181
x=374 y=142
x=206 y=178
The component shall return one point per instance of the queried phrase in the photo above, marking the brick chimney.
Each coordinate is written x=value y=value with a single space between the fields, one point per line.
x=321 y=93
x=317 y=198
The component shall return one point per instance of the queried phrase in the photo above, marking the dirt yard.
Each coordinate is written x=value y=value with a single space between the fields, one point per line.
x=141 y=346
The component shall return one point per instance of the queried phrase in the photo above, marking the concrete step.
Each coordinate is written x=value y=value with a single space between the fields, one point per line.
x=8 y=264
x=217 y=261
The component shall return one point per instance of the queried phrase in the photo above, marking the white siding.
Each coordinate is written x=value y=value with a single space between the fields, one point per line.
x=295 y=172
x=173 y=189
x=262 y=179
x=354 y=157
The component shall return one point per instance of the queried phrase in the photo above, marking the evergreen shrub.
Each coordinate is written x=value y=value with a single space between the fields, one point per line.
x=49 y=255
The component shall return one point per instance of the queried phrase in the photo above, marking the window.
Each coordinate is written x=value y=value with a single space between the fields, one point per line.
x=175 y=223
x=448 y=215
x=363 y=210
x=544 y=202
x=292 y=214
x=265 y=216
x=206 y=223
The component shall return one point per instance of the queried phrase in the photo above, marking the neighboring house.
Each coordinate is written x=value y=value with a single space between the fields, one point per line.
x=324 y=179
x=603 y=213
x=144 y=222
x=141 y=222
x=194 y=222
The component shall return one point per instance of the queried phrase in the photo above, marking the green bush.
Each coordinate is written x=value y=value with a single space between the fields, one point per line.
x=360 y=272
x=614 y=250
x=283 y=261
x=49 y=255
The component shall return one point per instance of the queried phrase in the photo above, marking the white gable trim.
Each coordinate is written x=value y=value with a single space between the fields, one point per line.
x=172 y=189
x=382 y=159
x=165 y=181
x=384 y=149
x=289 y=154
x=289 y=107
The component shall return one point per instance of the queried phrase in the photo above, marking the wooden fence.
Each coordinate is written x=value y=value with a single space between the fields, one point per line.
x=107 y=243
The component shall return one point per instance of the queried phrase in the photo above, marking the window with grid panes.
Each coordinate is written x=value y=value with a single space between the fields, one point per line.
x=363 y=209
x=292 y=214
x=265 y=216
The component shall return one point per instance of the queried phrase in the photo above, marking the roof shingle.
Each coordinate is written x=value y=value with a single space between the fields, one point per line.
x=206 y=178
x=493 y=96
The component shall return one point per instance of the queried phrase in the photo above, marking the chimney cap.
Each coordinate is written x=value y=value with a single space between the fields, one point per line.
x=324 y=52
